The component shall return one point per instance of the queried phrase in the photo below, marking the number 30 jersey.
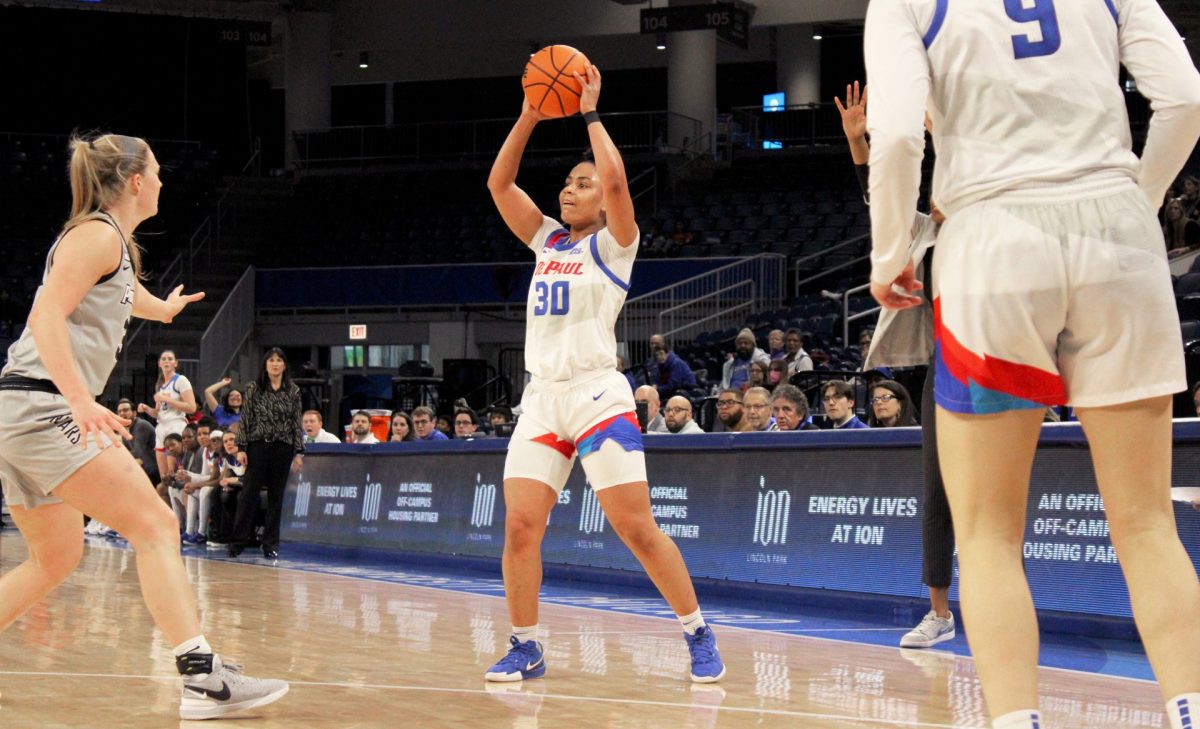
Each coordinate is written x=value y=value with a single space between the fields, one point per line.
x=1022 y=94
x=575 y=297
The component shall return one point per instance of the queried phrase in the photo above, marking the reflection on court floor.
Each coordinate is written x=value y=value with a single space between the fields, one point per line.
x=377 y=647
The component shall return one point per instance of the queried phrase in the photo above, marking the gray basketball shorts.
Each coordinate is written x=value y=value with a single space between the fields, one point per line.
x=39 y=447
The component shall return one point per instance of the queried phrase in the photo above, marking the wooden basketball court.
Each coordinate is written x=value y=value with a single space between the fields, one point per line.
x=364 y=653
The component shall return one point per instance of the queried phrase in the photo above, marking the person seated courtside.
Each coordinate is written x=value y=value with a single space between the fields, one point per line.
x=838 y=396
x=789 y=407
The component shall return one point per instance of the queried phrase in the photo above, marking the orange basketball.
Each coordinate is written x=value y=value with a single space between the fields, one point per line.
x=549 y=82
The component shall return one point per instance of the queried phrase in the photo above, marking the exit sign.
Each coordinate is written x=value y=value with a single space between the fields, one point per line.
x=358 y=331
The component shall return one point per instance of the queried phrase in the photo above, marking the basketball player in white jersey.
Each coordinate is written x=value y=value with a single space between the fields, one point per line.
x=577 y=402
x=1051 y=287
x=174 y=401
x=61 y=454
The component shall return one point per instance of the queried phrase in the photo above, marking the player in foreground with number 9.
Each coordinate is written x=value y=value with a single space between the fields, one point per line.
x=1051 y=286
x=577 y=401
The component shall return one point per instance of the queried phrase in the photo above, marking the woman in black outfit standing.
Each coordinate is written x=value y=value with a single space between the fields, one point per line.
x=270 y=439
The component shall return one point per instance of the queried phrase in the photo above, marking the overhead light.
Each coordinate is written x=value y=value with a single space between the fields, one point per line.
x=661 y=43
x=363 y=60
x=817 y=35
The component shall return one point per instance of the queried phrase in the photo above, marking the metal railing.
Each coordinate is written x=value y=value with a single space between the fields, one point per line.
x=640 y=131
x=847 y=317
x=800 y=265
x=718 y=299
x=227 y=332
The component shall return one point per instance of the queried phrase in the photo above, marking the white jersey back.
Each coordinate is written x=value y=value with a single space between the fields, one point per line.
x=574 y=300
x=1023 y=94
x=1004 y=120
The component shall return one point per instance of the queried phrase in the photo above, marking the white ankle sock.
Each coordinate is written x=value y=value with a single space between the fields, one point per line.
x=692 y=622
x=195 y=645
x=1024 y=719
x=1184 y=711
x=526 y=634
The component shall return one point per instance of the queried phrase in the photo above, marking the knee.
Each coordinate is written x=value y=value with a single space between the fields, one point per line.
x=61 y=561
x=522 y=533
x=639 y=533
x=157 y=528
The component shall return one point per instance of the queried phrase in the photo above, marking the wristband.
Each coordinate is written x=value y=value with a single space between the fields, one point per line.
x=591 y=117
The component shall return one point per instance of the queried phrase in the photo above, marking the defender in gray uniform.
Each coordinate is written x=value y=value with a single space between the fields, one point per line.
x=61 y=453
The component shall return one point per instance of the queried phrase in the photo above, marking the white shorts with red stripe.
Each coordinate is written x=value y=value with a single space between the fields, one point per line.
x=592 y=416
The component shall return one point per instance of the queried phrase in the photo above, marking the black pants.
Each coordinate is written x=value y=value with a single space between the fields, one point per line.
x=937 y=528
x=267 y=466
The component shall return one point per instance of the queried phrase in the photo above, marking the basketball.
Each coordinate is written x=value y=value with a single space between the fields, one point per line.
x=549 y=81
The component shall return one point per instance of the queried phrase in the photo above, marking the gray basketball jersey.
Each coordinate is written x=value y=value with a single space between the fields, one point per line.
x=96 y=327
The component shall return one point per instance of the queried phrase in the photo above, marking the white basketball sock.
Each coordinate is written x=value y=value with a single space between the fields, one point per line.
x=526 y=634
x=691 y=623
x=1024 y=719
x=1183 y=711
x=195 y=645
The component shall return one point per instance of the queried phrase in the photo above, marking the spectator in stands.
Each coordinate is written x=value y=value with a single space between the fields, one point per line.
x=423 y=419
x=795 y=356
x=142 y=445
x=623 y=368
x=789 y=408
x=465 y=424
x=667 y=373
x=777 y=373
x=775 y=347
x=1190 y=196
x=757 y=404
x=656 y=343
x=730 y=412
x=360 y=429
x=864 y=341
x=1182 y=233
x=656 y=241
x=270 y=440
x=838 y=396
x=736 y=372
x=197 y=479
x=678 y=414
x=758 y=376
x=444 y=426
x=648 y=395
x=681 y=236
x=314 y=428
x=229 y=410
x=891 y=405
x=499 y=415
x=401 y=428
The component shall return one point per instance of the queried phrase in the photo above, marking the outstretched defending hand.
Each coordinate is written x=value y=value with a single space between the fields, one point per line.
x=177 y=300
x=854 y=112
x=889 y=298
x=591 y=89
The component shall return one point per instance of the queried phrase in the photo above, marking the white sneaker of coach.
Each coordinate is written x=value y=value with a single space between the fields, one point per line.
x=931 y=631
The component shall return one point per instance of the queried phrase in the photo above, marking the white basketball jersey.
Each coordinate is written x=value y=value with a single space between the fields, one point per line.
x=575 y=296
x=1022 y=94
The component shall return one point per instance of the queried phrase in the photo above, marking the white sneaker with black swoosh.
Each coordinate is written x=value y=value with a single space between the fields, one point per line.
x=224 y=689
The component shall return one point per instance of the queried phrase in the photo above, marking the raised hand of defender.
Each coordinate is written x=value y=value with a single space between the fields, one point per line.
x=854 y=111
x=889 y=298
x=92 y=417
x=177 y=300
x=591 y=89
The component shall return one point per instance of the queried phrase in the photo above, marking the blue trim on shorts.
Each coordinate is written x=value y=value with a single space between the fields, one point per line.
x=607 y=271
x=939 y=17
x=620 y=430
x=1113 y=9
x=971 y=398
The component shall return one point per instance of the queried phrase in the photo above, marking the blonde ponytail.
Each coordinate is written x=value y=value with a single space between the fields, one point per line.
x=100 y=169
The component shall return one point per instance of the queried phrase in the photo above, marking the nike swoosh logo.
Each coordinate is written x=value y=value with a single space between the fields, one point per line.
x=222 y=695
x=531 y=666
x=597 y=397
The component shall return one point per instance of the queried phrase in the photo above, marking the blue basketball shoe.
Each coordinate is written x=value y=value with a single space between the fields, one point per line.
x=524 y=660
x=706 y=660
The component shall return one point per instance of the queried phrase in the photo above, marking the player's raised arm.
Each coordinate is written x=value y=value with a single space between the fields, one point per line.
x=618 y=204
x=898 y=72
x=520 y=214
x=1155 y=55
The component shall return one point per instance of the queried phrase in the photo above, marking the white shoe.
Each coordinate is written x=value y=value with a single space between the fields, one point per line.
x=226 y=690
x=931 y=631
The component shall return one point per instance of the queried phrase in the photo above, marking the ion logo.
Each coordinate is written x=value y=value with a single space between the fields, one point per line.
x=591 y=516
x=303 y=493
x=484 y=508
x=771 y=519
x=371 y=498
